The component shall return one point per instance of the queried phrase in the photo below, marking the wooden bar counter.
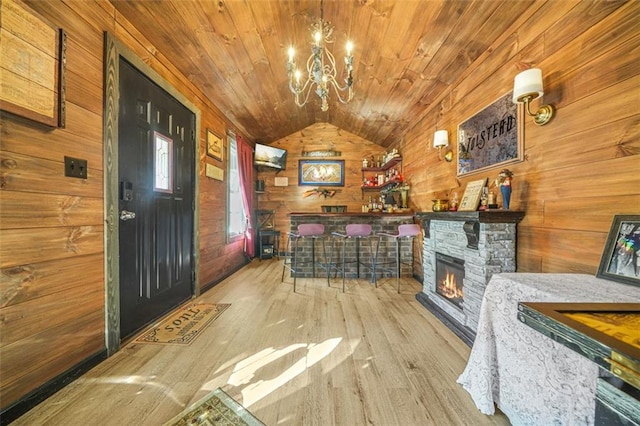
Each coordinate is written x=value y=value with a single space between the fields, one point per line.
x=336 y=222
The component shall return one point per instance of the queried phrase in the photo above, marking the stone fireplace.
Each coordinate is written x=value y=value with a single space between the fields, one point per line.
x=462 y=251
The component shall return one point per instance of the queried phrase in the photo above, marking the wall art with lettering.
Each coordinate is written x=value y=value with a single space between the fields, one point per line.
x=491 y=138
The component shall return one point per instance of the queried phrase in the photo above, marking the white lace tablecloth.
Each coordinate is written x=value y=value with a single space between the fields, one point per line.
x=533 y=379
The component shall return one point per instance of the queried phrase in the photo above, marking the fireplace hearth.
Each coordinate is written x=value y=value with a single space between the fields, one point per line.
x=450 y=278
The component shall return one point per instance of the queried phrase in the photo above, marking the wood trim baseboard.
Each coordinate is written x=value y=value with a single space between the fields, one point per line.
x=213 y=283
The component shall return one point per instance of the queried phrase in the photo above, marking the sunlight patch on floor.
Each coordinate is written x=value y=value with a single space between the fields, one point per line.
x=245 y=370
x=133 y=380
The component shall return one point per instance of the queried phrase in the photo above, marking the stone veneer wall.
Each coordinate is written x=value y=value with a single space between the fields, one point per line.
x=337 y=222
x=495 y=253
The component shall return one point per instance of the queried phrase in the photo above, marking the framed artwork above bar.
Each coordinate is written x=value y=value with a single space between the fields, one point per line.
x=321 y=172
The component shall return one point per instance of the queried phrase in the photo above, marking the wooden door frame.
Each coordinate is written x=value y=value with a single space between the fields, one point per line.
x=113 y=50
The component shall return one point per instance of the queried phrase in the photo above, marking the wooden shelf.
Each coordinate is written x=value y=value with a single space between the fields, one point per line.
x=397 y=161
x=380 y=187
x=386 y=166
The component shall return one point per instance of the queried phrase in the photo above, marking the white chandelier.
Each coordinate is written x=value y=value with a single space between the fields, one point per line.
x=321 y=68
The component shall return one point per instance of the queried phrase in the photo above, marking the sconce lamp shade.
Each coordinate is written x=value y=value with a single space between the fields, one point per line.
x=440 y=138
x=527 y=84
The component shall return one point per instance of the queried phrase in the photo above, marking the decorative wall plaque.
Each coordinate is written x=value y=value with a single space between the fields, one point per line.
x=32 y=58
x=471 y=197
x=321 y=153
x=492 y=137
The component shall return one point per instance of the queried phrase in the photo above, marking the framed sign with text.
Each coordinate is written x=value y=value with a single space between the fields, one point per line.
x=491 y=138
x=472 y=193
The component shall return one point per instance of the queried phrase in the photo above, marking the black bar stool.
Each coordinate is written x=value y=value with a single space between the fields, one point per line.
x=356 y=231
x=407 y=231
x=294 y=251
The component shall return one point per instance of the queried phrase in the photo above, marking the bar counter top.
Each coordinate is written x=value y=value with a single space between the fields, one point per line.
x=337 y=222
x=408 y=213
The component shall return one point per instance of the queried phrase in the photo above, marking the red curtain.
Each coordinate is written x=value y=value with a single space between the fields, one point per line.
x=245 y=165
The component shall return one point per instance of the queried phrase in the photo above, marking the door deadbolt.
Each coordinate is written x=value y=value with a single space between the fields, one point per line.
x=127 y=215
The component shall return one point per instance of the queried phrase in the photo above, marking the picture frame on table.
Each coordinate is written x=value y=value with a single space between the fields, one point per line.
x=321 y=172
x=620 y=260
x=215 y=146
x=472 y=193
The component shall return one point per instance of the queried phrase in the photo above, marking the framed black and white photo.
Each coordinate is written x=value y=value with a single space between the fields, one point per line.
x=620 y=260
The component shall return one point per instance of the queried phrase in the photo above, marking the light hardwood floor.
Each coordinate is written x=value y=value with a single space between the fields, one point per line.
x=316 y=357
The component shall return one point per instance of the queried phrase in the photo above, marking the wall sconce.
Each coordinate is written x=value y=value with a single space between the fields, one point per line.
x=527 y=86
x=441 y=140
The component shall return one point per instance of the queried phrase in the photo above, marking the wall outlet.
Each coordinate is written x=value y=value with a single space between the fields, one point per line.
x=75 y=167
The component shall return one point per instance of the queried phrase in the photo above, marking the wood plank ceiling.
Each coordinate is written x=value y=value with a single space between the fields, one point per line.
x=408 y=54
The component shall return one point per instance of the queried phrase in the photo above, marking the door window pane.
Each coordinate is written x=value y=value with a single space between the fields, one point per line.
x=163 y=163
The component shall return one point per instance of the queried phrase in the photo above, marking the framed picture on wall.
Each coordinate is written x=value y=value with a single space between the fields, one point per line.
x=492 y=137
x=215 y=147
x=621 y=257
x=321 y=172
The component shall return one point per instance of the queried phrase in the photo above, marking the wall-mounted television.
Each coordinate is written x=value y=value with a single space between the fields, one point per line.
x=269 y=156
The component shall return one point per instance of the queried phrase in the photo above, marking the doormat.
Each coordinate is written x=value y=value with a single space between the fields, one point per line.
x=217 y=408
x=184 y=325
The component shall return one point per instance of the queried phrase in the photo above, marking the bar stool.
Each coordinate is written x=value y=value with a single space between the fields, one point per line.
x=311 y=231
x=408 y=231
x=355 y=231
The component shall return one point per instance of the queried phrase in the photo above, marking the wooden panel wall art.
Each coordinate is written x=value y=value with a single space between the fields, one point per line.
x=32 y=58
x=492 y=137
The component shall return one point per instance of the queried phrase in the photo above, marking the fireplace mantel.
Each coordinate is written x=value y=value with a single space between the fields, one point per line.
x=472 y=221
x=485 y=241
x=484 y=216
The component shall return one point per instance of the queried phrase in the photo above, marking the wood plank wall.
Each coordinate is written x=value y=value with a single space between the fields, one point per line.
x=317 y=137
x=579 y=170
x=51 y=228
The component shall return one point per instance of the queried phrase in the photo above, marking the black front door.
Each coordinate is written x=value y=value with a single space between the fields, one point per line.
x=155 y=171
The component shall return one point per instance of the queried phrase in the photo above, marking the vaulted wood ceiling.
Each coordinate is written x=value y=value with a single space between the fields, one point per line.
x=408 y=53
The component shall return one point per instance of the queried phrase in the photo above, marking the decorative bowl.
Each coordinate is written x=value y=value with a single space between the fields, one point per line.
x=440 y=205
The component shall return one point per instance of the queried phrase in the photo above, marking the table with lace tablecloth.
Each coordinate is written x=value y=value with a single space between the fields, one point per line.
x=531 y=378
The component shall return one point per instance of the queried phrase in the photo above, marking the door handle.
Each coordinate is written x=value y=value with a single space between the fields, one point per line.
x=127 y=215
